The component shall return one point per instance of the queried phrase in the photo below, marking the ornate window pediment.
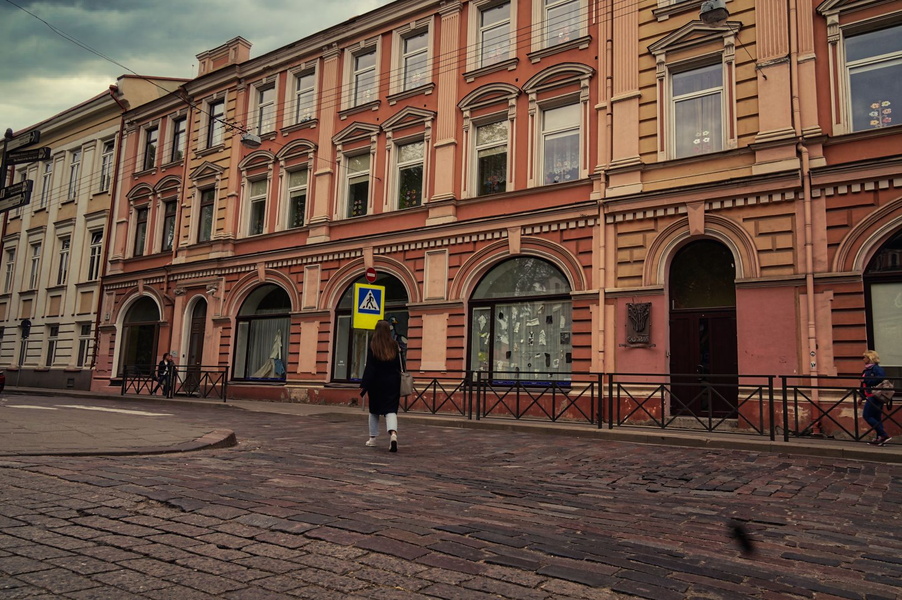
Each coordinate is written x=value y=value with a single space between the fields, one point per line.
x=207 y=170
x=407 y=117
x=354 y=132
x=694 y=33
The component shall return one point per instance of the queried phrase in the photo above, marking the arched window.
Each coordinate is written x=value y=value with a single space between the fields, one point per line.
x=139 y=337
x=262 y=334
x=350 y=343
x=883 y=289
x=521 y=322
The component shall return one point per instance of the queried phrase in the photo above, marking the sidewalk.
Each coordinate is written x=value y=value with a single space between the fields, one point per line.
x=143 y=436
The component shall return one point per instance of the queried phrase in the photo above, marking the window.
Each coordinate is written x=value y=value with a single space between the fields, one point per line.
x=150 y=147
x=257 y=205
x=62 y=273
x=303 y=91
x=697 y=109
x=874 y=66
x=94 y=255
x=84 y=345
x=46 y=184
x=106 y=166
x=215 y=123
x=491 y=158
x=562 y=21
x=521 y=322
x=205 y=222
x=74 y=170
x=263 y=325
x=297 y=198
x=266 y=109
x=52 y=339
x=414 y=60
x=10 y=270
x=410 y=174
x=560 y=144
x=358 y=184
x=493 y=44
x=169 y=210
x=140 y=231
x=35 y=273
x=364 y=84
x=179 y=137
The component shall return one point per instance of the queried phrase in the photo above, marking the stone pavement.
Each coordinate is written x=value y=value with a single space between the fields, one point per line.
x=299 y=508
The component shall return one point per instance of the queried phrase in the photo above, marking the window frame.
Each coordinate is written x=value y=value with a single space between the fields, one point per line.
x=141 y=217
x=254 y=203
x=107 y=155
x=264 y=105
x=34 y=274
x=673 y=100
x=206 y=200
x=400 y=165
x=65 y=250
x=303 y=189
x=298 y=93
x=10 y=270
x=46 y=184
x=540 y=33
x=545 y=133
x=346 y=209
x=214 y=135
x=168 y=223
x=84 y=345
x=53 y=332
x=95 y=254
x=150 y=147
x=477 y=148
x=872 y=62
x=351 y=73
x=179 y=137
x=476 y=66
x=75 y=158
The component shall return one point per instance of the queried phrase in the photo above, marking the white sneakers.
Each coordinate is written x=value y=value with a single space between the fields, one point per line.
x=393 y=445
x=371 y=442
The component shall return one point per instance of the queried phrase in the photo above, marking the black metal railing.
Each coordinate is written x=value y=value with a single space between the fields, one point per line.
x=203 y=381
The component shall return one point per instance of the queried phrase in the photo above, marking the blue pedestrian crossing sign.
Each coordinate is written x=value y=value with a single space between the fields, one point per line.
x=369 y=305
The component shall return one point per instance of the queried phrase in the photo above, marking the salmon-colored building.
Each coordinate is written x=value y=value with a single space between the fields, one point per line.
x=545 y=188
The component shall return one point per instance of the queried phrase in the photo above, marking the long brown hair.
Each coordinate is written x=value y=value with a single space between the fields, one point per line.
x=382 y=344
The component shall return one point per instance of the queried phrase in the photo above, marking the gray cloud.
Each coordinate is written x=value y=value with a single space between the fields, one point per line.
x=42 y=73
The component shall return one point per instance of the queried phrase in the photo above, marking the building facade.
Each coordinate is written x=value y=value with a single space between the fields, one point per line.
x=53 y=248
x=544 y=187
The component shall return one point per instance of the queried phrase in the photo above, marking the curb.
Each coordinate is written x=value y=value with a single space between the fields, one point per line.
x=219 y=438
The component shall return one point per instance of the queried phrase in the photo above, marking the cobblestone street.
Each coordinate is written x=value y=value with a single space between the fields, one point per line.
x=302 y=509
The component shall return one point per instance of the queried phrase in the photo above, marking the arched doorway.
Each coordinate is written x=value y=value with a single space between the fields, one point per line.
x=883 y=299
x=703 y=341
x=140 y=327
x=262 y=325
x=521 y=322
x=350 y=343
x=196 y=336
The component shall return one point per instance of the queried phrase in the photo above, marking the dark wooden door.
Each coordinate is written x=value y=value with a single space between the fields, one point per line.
x=704 y=362
x=196 y=347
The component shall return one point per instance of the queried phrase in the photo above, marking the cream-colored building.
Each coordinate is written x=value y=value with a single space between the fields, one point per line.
x=53 y=249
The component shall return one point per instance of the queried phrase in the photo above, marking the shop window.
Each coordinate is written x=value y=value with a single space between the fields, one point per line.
x=351 y=344
x=262 y=329
x=883 y=289
x=521 y=322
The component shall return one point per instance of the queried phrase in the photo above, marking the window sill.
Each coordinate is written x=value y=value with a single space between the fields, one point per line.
x=678 y=7
x=425 y=90
x=145 y=172
x=305 y=124
x=579 y=44
x=505 y=65
x=210 y=150
x=374 y=105
x=863 y=135
x=170 y=165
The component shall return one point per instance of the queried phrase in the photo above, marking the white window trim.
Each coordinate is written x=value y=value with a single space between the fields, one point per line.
x=342 y=209
x=671 y=126
x=292 y=104
x=91 y=246
x=269 y=83
x=840 y=84
x=84 y=341
x=145 y=131
x=197 y=214
x=46 y=184
x=664 y=70
x=538 y=41
x=469 y=185
x=34 y=265
x=73 y=184
x=399 y=36
x=161 y=223
x=133 y=228
x=9 y=269
x=203 y=140
x=473 y=42
x=351 y=53
x=285 y=178
x=107 y=164
x=541 y=133
x=250 y=201
x=393 y=168
x=64 y=259
x=168 y=152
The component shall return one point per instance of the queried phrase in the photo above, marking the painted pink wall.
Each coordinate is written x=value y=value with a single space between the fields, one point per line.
x=767 y=329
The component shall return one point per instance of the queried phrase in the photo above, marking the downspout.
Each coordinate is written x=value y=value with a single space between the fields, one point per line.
x=806 y=201
x=609 y=144
x=114 y=191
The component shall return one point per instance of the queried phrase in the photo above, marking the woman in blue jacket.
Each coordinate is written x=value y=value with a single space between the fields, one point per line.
x=873 y=406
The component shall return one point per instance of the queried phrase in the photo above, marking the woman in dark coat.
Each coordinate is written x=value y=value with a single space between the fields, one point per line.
x=872 y=411
x=382 y=383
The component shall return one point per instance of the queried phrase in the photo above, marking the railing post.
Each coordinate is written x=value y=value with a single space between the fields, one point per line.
x=770 y=406
x=122 y=385
x=785 y=410
x=225 y=383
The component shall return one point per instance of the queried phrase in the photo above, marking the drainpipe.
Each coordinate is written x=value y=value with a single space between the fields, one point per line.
x=802 y=149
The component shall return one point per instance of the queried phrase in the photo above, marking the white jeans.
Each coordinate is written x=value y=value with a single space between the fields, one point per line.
x=391 y=423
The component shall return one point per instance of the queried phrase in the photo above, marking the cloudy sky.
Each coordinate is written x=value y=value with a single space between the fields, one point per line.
x=42 y=73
